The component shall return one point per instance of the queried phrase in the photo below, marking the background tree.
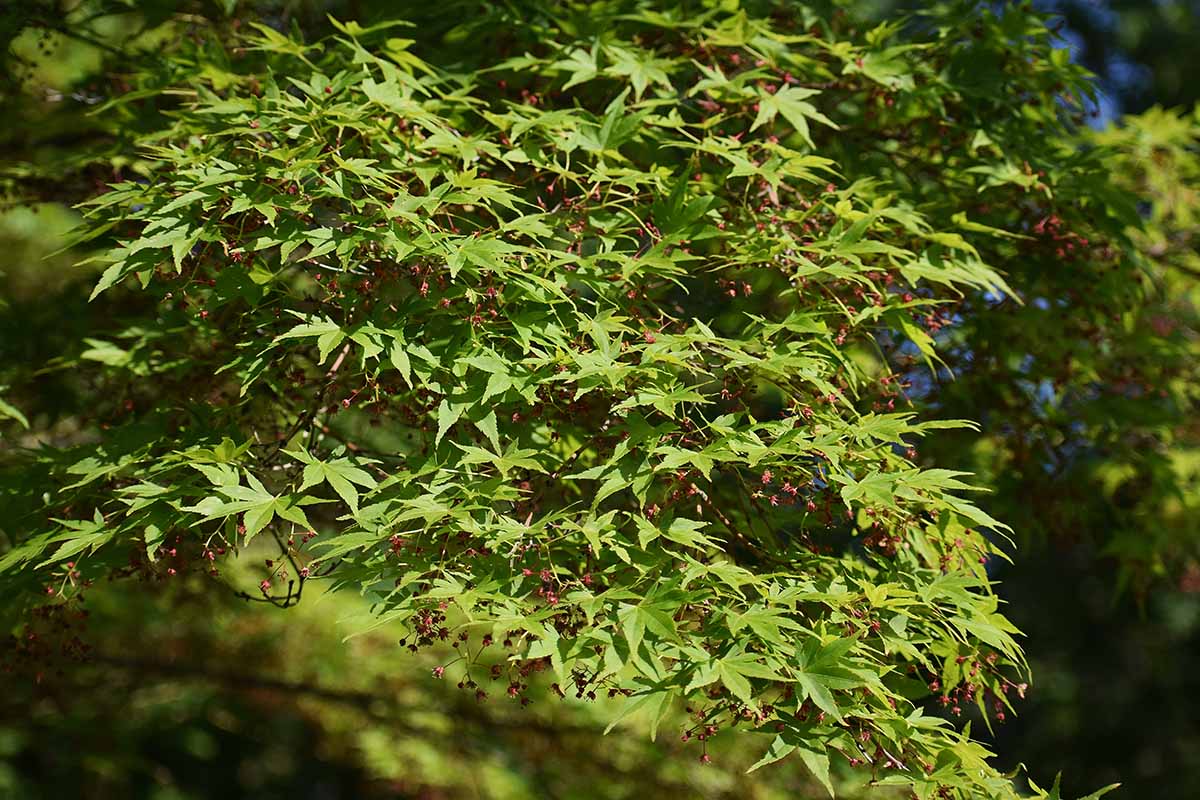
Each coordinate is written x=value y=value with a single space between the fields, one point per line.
x=1142 y=51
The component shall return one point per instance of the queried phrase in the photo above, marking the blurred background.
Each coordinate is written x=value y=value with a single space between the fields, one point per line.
x=276 y=704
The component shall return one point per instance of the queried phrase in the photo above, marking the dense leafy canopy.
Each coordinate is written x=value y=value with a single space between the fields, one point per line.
x=645 y=347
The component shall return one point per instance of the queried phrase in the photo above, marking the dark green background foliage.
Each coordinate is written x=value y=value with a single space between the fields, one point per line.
x=613 y=366
x=1144 y=52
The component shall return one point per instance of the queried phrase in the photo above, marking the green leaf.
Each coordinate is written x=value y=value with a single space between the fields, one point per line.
x=11 y=411
x=790 y=101
x=399 y=357
x=487 y=426
x=817 y=762
x=448 y=413
x=736 y=683
x=779 y=749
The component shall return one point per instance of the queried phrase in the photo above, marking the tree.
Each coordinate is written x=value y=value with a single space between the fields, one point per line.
x=600 y=340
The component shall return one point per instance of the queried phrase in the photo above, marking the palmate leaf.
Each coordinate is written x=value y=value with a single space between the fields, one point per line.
x=641 y=68
x=815 y=758
x=792 y=104
x=581 y=64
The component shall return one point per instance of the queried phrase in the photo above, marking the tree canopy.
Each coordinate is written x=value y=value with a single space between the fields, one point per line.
x=641 y=354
